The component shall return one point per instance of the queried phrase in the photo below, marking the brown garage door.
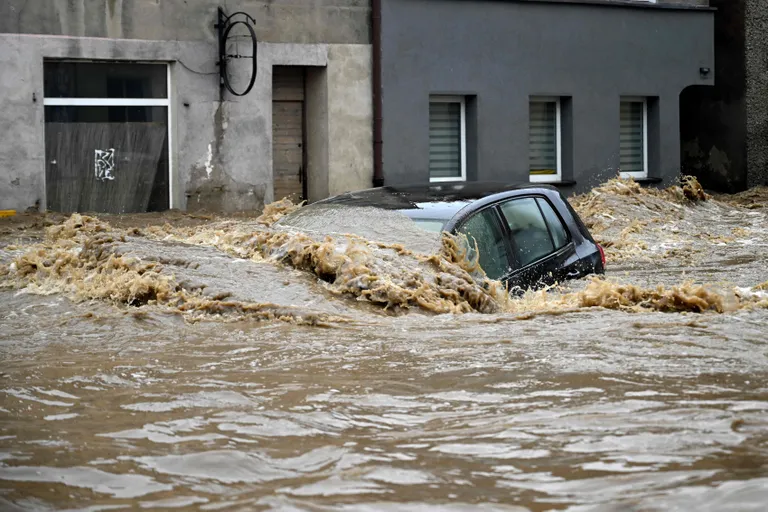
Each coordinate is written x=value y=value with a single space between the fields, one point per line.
x=288 y=132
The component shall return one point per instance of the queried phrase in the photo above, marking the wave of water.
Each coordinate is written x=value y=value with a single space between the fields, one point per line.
x=226 y=364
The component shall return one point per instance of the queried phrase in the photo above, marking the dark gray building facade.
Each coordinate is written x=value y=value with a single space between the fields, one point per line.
x=564 y=92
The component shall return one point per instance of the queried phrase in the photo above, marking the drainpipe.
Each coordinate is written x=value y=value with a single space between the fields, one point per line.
x=378 y=172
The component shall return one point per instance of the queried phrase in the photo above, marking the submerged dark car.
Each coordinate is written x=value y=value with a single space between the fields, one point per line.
x=527 y=235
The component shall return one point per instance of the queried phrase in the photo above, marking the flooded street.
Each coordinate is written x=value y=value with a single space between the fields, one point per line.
x=190 y=363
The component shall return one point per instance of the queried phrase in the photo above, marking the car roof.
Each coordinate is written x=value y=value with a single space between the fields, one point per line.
x=429 y=201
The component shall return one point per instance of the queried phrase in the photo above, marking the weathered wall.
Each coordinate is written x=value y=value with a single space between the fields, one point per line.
x=316 y=111
x=279 y=21
x=725 y=128
x=222 y=151
x=22 y=153
x=350 y=116
x=339 y=113
x=713 y=119
x=756 y=35
x=238 y=174
x=502 y=52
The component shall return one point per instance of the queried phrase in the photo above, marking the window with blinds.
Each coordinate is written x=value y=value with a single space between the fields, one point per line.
x=447 y=160
x=632 y=140
x=543 y=138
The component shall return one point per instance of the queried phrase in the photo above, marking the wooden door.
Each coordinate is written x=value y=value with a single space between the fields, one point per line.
x=288 y=162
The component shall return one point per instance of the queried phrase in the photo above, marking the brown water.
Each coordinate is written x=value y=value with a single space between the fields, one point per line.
x=183 y=363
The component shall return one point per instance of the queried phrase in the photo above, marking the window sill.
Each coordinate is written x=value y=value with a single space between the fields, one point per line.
x=447 y=180
x=630 y=4
x=561 y=183
x=648 y=180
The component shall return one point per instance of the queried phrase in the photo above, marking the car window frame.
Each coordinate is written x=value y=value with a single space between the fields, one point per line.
x=468 y=211
x=563 y=224
x=513 y=244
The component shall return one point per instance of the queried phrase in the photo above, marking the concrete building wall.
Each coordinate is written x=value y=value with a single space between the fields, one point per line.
x=350 y=116
x=712 y=125
x=756 y=64
x=500 y=53
x=725 y=128
x=277 y=21
x=222 y=151
x=339 y=123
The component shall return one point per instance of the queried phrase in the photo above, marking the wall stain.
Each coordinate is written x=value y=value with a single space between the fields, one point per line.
x=304 y=21
x=114 y=18
x=210 y=187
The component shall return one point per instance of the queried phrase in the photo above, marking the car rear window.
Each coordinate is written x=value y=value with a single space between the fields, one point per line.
x=559 y=236
x=579 y=223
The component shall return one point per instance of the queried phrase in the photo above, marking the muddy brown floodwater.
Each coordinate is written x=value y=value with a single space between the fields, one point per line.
x=179 y=362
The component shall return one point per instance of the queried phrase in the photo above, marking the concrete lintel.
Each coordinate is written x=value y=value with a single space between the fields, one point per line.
x=63 y=47
x=282 y=54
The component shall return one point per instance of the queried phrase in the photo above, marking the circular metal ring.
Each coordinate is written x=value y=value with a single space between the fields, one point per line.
x=253 y=57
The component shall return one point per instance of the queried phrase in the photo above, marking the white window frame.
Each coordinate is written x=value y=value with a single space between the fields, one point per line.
x=130 y=102
x=545 y=178
x=644 y=172
x=463 y=135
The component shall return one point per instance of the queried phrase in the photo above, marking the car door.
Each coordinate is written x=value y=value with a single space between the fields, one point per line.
x=485 y=229
x=541 y=246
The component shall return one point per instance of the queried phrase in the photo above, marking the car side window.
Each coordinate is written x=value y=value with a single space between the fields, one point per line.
x=528 y=228
x=556 y=227
x=483 y=229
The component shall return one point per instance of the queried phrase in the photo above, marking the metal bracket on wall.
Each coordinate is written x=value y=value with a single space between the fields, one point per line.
x=224 y=26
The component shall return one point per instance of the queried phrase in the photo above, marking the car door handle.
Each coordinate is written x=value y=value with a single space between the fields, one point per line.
x=573 y=273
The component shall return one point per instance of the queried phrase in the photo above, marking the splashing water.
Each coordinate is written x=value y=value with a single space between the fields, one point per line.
x=211 y=362
x=82 y=256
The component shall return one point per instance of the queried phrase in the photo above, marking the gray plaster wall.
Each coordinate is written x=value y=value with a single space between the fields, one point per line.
x=350 y=115
x=316 y=110
x=713 y=119
x=500 y=53
x=278 y=21
x=222 y=150
x=756 y=36
x=339 y=113
x=232 y=169
x=725 y=128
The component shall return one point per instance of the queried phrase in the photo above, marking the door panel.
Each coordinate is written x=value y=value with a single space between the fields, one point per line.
x=106 y=159
x=287 y=149
x=546 y=271
x=288 y=169
x=539 y=242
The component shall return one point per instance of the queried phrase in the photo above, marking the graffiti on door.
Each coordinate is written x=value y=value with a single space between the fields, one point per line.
x=105 y=164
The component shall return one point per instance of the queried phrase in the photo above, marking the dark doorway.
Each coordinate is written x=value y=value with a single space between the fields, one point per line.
x=288 y=133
